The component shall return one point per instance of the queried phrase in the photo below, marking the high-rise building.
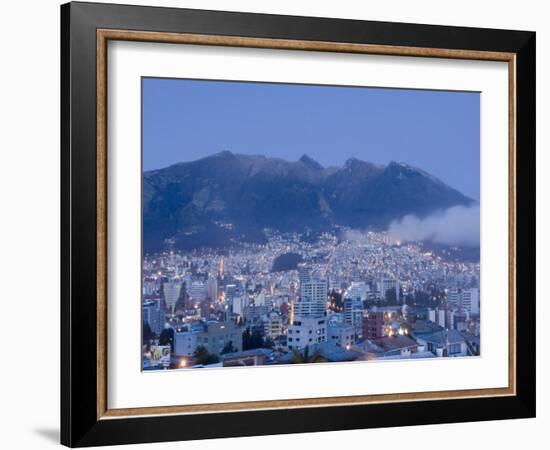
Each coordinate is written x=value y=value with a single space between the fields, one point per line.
x=238 y=304
x=470 y=300
x=465 y=299
x=309 y=324
x=230 y=291
x=153 y=315
x=454 y=297
x=313 y=299
x=171 y=290
x=212 y=288
x=353 y=313
x=304 y=274
x=197 y=291
x=354 y=296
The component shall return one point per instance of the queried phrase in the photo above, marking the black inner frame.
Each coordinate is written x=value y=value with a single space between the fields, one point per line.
x=79 y=423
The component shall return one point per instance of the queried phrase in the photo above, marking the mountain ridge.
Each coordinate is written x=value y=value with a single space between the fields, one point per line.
x=226 y=197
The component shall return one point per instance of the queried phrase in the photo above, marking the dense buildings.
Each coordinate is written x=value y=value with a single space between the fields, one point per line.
x=355 y=296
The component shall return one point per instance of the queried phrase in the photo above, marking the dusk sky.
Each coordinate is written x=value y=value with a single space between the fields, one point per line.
x=184 y=120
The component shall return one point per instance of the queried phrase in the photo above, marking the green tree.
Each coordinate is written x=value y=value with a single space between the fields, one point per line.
x=147 y=334
x=303 y=357
x=167 y=338
x=268 y=343
x=252 y=339
x=391 y=296
x=228 y=348
x=203 y=357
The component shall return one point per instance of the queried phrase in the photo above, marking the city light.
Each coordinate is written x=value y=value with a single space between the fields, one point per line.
x=370 y=298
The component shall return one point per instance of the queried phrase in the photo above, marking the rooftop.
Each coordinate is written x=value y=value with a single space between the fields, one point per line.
x=391 y=343
x=251 y=352
x=441 y=337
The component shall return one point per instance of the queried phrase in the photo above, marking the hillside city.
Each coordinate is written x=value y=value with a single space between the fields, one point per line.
x=334 y=296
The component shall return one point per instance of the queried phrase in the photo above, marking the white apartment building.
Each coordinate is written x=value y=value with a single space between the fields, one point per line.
x=466 y=299
x=343 y=335
x=313 y=299
x=305 y=331
x=185 y=343
x=470 y=300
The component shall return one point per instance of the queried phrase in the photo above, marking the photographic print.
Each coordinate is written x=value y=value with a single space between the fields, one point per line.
x=253 y=194
x=301 y=224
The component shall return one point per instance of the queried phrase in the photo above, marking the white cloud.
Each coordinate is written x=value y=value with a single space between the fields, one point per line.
x=458 y=225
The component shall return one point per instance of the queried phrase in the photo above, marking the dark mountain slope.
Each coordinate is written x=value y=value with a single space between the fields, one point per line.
x=224 y=197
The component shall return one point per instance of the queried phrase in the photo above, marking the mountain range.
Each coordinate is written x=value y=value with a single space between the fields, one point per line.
x=226 y=196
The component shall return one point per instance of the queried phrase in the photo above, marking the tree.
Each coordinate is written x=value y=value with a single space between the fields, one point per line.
x=203 y=357
x=252 y=340
x=167 y=338
x=304 y=357
x=269 y=343
x=228 y=348
x=421 y=298
x=147 y=334
x=391 y=296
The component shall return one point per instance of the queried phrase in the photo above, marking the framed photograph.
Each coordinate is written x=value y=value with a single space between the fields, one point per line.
x=276 y=224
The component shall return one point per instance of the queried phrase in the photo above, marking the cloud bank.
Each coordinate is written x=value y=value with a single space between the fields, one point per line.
x=458 y=225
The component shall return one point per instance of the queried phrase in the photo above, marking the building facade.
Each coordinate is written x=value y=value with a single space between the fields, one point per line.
x=373 y=325
x=341 y=334
x=153 y=315
x=171 y=290
x=313 y=299
x=306 y=331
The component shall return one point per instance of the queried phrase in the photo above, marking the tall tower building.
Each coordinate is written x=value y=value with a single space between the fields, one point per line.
x=470 y=300
x=304 y=274
x=309 y=324
x=171 y=290
x=212 y=286
x=153 y=315
x=313 y=299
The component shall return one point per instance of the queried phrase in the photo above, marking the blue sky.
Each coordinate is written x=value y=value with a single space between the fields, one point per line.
x=438 y=131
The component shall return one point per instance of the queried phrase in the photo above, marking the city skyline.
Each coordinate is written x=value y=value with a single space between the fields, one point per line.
x=294 y=224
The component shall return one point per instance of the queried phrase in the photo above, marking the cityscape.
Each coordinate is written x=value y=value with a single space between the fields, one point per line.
x=308 y=299
x=302 y=224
